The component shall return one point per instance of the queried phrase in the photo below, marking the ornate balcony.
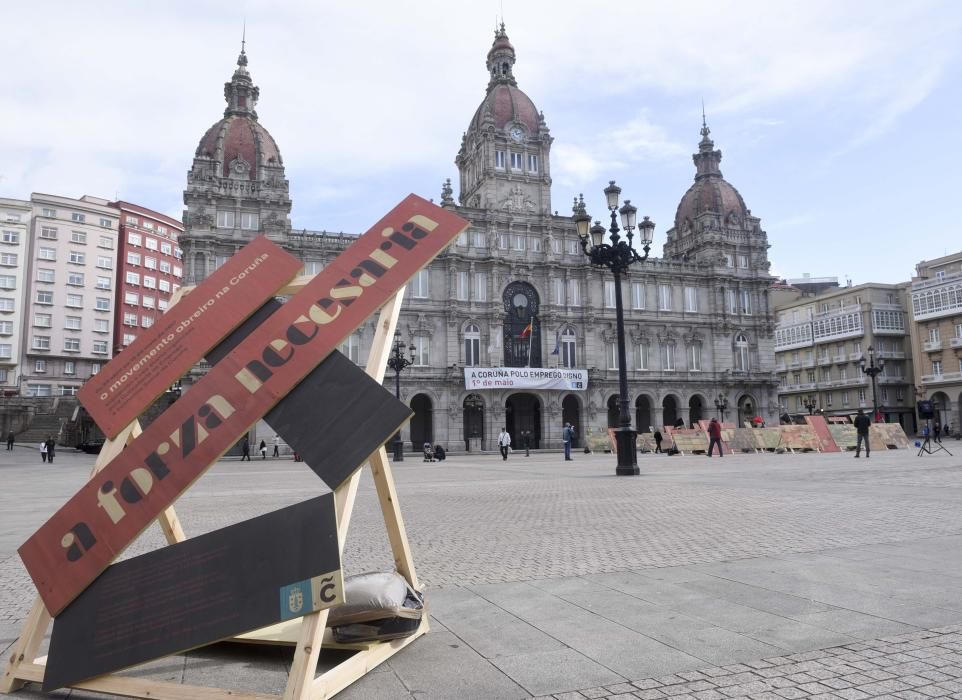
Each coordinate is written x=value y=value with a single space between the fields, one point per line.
x=941 y=378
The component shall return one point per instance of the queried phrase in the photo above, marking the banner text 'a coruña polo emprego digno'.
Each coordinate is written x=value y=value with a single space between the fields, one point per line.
x=107 y=514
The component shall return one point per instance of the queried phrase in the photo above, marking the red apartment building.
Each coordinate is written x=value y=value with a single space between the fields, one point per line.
x=149 y=270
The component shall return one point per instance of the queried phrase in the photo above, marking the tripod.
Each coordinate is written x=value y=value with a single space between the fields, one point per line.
x=927 y=447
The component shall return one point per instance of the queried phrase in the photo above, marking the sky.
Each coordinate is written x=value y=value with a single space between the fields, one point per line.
x=838 y=121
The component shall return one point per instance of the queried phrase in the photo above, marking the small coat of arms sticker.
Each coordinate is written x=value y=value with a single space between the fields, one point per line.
x=310 y=595
x=295 y=601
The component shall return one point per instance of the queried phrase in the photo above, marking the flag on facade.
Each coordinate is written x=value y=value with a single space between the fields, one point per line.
x=557 y=343
x=527 y=329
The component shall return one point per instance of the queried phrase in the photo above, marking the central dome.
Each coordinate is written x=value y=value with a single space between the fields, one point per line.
x=505 y=103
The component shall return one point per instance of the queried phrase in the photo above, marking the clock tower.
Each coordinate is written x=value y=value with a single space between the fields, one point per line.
x=504 y=156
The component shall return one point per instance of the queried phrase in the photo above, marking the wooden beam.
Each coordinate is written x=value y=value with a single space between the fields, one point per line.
x=26 y=647
x=151 y=689
x=381 y=470
x=304 y=665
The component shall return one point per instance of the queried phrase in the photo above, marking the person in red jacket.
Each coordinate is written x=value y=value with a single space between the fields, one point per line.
x=714 y=436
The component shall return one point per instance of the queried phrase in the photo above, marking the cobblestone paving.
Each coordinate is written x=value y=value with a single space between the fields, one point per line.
x=913 y=666
x=481 y=520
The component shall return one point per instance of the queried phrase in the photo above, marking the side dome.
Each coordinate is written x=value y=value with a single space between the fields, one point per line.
x=710 y=193
x=238 y=144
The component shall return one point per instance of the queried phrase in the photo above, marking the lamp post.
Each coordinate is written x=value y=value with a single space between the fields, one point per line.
x=810 y=403
x=617 y=255
x=721 y=405
x=398 y=362
x=873 y=371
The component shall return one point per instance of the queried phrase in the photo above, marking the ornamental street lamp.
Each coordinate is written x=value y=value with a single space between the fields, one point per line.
x=872 y=371
x=721 y=405
x=810 y=403
x=617 y=255
x=398 y=362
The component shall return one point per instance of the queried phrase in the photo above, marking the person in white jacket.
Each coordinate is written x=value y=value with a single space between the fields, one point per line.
x=504 y=443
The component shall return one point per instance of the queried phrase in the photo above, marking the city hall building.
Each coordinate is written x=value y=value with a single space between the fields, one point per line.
x=514 y=295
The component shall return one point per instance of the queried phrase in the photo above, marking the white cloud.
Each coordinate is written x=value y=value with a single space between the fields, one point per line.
x=594 y=153
x=116 y=100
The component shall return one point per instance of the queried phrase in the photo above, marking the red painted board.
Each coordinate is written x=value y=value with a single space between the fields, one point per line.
x=162 y=354
x=89 y=531
x=820 y=428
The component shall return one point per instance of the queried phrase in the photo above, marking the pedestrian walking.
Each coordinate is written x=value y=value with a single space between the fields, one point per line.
x=658 y=439
x=277 y=443
x=504 y=443
x=714 y=437
x=568 y=434
x=51 y=449
x=526 y=442
x=937 y=432
x=263 y=449
x=862 y=422
x=246 y=450
x=43 y=450
x=10 y=440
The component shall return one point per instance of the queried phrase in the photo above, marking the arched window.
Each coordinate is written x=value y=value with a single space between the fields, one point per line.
x=741 y=352
x=522 y=327
x=568 y=341
x=472 y=346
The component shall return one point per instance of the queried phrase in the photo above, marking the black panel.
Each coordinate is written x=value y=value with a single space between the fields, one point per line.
x=336 y=417
x=205 y=589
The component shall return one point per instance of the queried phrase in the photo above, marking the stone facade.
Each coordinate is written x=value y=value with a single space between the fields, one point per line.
x=699 y=320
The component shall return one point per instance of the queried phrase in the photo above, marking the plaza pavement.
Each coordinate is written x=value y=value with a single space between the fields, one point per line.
x=763 y=576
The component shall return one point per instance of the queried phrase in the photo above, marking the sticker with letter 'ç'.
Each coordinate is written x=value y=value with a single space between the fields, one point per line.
x=310 y=595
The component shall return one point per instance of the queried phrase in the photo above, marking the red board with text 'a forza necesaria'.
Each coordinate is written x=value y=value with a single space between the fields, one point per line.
x=79 y=541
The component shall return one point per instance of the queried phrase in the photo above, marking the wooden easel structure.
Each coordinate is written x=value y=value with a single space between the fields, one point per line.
x=307 y=632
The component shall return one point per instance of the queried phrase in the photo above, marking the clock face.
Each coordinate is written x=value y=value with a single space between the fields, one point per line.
x=517 y=134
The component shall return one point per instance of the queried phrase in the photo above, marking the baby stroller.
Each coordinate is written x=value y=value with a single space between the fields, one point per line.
x=428 y=452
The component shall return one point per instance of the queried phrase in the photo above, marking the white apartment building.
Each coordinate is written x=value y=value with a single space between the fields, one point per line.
x=15 y=216
x=70 y=293
x=819 y=345
x=937 y=335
